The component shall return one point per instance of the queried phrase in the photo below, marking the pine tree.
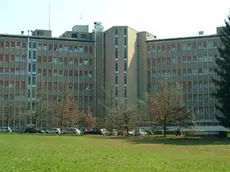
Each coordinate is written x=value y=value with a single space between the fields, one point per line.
x=222 y=82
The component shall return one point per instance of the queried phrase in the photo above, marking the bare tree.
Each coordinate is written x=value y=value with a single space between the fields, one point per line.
x=122 y=116
x=66 y=110
x=8 y=113
x=86 y=119
x=107 y=104
x=38 y=112
x=166 y=106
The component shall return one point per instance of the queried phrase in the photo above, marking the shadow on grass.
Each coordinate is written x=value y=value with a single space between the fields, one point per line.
x=185 y=141
x=170 y=140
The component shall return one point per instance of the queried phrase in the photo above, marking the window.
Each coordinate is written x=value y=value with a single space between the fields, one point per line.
x=125 y=79
x=34 y=80
x=116 y=66
x=125 y=41
x=86 y=49
x=23 y=45
x=125 y=92
x=116 y=41
x=184 y=59
x=125 y=53
x=168 y=60
x=90 y=49
x=116 y=31
x=28 y=92
x=34 y=54
x=174 y=72
x=30 y=44
x=125 y=66
x=33 y=93
x=116 y=91
x=12 y=58
x=34 y=67
x=125 y=31
x=174 y=60
x=116 y=53
x=116 y=79
x=34 y=45
x=29 y=67
x=163 y=60
x=12 y=44
x=29 y=80
x=7 y=44
x=2 y=44
x=29 y=54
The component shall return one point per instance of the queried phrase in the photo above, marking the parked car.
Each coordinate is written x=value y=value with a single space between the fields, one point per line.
x=53 y=131
x=93 y=131
x=33 y=130
x=132 y=133
x=104 y=131
x=140 y=132
x=5 y=129
x=71 y=131
x=115 y=132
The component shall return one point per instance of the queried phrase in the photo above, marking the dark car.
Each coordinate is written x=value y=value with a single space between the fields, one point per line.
x=33 y=130
x=93 y=131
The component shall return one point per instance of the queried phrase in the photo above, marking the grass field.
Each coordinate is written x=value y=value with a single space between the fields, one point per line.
x=28 y=153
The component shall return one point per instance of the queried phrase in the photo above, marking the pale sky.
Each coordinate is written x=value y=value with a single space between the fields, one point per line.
x=163 y=18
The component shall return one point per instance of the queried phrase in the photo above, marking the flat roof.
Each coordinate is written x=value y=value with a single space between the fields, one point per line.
x=44 y=38
x=183 y=38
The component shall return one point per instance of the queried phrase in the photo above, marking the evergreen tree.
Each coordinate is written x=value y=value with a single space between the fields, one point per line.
x=222 y=82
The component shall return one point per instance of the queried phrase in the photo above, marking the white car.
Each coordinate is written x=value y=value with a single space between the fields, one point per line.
x=5 y=129
x=54 y=131
x=132 y=133
x=104 y=131
x=140 y=132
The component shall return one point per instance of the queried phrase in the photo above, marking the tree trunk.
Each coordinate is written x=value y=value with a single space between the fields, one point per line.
x=127 y=128
x=164 y=134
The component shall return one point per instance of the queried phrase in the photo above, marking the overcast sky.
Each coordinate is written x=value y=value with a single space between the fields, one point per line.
x=164 y=18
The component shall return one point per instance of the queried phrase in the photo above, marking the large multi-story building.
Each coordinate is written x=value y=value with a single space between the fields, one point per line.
x=120 y=59
x=189 y=61
x=31 y=63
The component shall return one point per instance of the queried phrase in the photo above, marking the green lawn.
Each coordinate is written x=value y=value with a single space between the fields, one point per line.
x=28 y=153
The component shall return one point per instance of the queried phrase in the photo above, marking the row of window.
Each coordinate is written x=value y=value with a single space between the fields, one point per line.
x=65 y=60
x=116 y=41
x=202 y=110
x=125 y=79
x=67 y=48
x=117 y=91
x=56 y=72
x=46 y=46
x=12 y=71
x=21 y=84
x=116 y=66
x=205 y=44
x=125 y=55
x=12 y=44
x=32 y=93
x=183 y=59
x=189 y=84
x=180 y=72
x=32 y=68
x=13 y=58
x=119 y=29
x=7 y=83
x=199 y=97
x=75 y=86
